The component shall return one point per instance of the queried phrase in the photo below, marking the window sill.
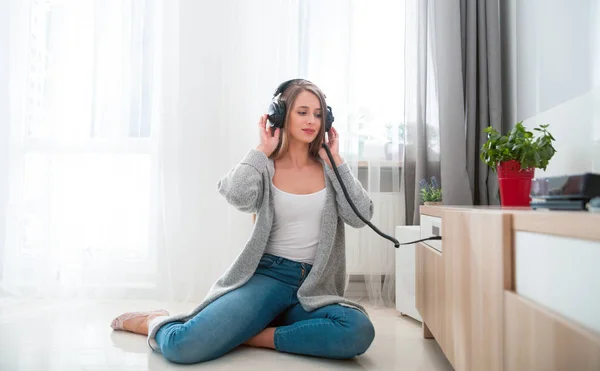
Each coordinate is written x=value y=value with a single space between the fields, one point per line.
x=383 y=164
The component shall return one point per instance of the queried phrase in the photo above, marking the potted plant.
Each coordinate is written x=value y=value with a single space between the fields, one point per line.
x=515 y=156
x=431 y=193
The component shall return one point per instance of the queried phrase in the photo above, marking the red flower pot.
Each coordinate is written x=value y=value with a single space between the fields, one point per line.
x=515 y=184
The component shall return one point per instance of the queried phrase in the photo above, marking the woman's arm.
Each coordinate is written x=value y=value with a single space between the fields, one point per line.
x=242 y=187
x=357 y=193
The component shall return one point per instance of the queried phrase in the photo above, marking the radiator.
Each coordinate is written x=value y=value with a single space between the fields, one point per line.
x=405 y=271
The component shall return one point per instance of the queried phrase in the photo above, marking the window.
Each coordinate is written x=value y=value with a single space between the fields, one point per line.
x=87 y=143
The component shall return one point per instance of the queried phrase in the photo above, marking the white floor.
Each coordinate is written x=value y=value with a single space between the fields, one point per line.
x=76 y=336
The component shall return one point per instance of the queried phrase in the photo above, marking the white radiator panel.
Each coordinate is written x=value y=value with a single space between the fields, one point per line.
x=405 y=271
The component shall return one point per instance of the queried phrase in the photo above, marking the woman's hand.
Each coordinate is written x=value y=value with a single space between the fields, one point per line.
x=334 y=147
x=268 y=142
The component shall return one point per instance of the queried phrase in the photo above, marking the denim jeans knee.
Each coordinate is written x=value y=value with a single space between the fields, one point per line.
x=360 y=333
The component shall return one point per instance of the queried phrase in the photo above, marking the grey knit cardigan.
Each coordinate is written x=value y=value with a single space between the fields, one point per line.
x=248 y=187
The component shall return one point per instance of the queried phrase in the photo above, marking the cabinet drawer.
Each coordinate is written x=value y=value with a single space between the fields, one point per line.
x=538 y=339
x=430 y=289
x=431 y=226
x=561 y=274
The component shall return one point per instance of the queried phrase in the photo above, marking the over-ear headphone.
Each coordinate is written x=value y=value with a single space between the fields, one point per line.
x=277 y=109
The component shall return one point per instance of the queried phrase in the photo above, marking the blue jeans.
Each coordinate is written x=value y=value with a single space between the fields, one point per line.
x=268 y=299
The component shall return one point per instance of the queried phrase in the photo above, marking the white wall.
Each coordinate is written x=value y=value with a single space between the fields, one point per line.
x=552 y=76
x=3 y=122
x=595 y=14
x=229 y=60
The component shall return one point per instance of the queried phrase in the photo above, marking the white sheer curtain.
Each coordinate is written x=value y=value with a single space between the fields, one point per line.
x=83 y=93
x=354 y=50
x=229 y=62
x=421 y=109
x=124 y=115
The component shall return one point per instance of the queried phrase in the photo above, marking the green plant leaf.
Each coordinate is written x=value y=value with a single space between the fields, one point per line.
x=519 y=144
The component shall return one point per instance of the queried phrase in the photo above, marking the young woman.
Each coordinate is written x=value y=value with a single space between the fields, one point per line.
x=285 y=289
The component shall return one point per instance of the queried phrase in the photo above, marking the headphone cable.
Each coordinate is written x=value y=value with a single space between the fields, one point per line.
x=395 y=241
x=337 y=174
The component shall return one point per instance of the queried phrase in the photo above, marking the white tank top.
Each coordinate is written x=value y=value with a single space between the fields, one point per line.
x=296 y=225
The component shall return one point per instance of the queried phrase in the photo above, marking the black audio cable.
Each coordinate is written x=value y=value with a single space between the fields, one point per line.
x=395 y=241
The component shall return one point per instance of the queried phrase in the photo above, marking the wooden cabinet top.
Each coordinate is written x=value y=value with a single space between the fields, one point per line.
x=575 y=224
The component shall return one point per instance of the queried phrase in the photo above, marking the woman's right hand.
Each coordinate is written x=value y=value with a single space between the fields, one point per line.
x=268 y=142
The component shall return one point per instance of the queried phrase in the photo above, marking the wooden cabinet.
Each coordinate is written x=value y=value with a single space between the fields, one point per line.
x=466 y=295
x=429 y=282
x=475 y=282
x=535 y=338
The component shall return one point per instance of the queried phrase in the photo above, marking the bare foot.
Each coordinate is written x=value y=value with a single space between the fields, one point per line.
x=136 y=322
x=265 y=339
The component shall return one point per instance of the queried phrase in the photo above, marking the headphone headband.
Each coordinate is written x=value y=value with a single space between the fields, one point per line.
x=284 y=85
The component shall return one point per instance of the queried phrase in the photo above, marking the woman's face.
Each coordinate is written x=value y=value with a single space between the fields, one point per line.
x=305 y=119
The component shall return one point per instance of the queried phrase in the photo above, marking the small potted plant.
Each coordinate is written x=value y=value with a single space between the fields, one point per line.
x=431 y=193
x=515 y=156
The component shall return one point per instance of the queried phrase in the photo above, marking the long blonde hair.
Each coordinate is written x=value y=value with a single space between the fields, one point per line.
x=289 y=97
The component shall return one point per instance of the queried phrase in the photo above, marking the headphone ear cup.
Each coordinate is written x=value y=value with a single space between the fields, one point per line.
x=329 y=119
x=276 y=114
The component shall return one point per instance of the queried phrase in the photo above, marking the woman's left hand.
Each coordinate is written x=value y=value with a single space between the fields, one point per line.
x=334 y=147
